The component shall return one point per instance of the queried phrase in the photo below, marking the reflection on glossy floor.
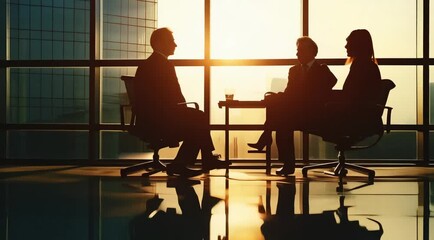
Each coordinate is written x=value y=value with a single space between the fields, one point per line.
x=94 y=203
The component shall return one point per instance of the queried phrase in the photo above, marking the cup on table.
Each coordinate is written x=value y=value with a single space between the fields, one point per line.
x=229 y=94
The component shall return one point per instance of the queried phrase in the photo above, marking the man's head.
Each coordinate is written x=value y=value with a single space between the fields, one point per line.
x=306 y=50
x=162 y=41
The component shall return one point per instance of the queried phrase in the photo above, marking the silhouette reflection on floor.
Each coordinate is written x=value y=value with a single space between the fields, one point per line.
x=330 y=224
x=193 y=223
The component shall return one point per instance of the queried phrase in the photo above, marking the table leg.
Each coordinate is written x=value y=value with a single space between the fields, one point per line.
x=268 y=159
x=227 y=133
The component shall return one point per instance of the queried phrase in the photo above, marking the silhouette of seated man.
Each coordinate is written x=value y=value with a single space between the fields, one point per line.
x=161 y=109
x=308 y=87
x=192 y=224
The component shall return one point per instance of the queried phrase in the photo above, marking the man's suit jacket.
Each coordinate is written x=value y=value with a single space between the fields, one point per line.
x=302 y=102
x=157 y=93
x=312 y=88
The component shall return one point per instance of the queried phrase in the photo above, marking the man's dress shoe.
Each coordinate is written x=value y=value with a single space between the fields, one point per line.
x=213 y=163
x=285 y=170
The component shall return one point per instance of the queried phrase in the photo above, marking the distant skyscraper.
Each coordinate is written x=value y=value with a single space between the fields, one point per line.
x=127 y=28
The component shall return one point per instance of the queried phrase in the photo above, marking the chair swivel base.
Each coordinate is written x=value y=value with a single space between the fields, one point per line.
x=340 y=169
x=152 y=167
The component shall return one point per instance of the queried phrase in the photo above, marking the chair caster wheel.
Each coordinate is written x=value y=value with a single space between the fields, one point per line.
x=343 y=172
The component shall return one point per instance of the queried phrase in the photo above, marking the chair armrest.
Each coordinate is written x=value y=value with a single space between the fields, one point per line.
x=122 y=114
x=196 y=106
x=269 y=93
x=389 y=115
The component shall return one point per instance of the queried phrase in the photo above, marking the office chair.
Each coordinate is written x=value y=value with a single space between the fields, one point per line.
x=367 y=122
x=152 y=137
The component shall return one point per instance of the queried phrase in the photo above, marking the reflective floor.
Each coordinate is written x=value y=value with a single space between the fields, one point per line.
x=95 y=203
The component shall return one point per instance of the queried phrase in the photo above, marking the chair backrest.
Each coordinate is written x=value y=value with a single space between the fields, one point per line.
x=369 y=116
x=386 y=86
x=362 y=121
x=149 y=135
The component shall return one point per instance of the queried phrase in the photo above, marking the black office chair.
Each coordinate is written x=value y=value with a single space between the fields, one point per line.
x=151 y=136
x=352 y=125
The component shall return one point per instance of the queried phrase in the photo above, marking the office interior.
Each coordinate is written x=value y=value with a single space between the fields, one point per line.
x=62 y=144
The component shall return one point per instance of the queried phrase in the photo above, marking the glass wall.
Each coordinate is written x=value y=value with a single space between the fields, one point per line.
x=247 y=46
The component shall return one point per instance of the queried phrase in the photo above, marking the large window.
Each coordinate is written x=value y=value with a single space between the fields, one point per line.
x=61 y=78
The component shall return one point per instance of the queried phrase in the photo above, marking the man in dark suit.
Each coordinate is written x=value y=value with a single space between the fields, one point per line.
x=161 y=108
x=299 y=106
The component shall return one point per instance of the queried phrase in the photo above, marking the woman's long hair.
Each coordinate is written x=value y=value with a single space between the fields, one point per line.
x=360 y=41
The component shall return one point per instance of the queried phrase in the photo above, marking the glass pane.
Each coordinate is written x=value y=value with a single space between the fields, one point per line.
x=403 y=97
x=265 y=29
x=431 y=147
x=56 y=145
x=127 y=28
x=122 y=145
x=397 y=27
x=431 y=30
x=431 y=94
x=249 y=83
x=48 y=95
x=3 y=144
x=186 y=19
x=114 y=93
x=192 y=84
x=3 y=31
x=49 y=31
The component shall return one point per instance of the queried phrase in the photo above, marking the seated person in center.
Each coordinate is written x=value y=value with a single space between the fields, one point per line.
x=160 y=109
x=309 y=86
